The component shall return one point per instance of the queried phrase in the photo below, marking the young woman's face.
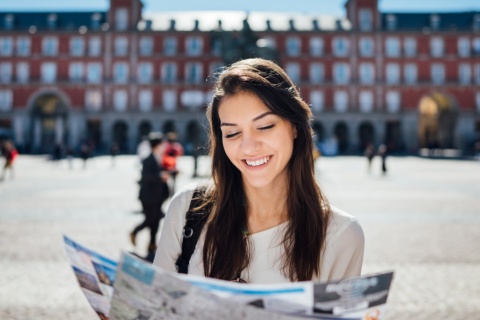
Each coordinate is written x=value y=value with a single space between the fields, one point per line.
x=257 y=142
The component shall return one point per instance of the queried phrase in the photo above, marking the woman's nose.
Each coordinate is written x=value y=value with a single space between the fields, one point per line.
x=250 y=144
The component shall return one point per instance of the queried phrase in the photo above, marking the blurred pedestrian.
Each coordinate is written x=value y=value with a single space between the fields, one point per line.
x=114 y=150
x=382 y=152
x=9 y=153
x=153 y=192
x=143 y=149
x=173 y=150
x=85 y=151
x=369 y=154
x=69 y=154
x=57 y=153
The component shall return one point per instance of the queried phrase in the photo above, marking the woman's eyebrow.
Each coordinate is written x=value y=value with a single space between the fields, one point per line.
x=222 y=124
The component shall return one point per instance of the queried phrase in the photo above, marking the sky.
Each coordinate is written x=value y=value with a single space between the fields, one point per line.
x=327 y=7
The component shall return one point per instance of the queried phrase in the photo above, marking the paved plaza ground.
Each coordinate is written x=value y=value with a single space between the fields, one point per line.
x=421 y=220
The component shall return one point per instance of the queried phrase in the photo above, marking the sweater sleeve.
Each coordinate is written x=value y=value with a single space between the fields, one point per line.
x=171 y=235
x=344 y=254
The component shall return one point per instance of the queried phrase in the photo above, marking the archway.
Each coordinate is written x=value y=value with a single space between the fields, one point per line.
x=318 y=131
x=366 y=135
x=438 y=114
x=144 y=128
x=341 y=134
x=120 y=135
x=169 y=126
x=49 y=123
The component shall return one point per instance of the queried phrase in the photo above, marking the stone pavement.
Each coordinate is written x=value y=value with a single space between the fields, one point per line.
x=422 y=220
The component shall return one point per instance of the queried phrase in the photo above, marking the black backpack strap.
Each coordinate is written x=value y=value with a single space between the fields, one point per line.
x=192 y=229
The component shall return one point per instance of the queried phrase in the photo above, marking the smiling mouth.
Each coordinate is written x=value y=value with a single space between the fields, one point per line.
x=256 y=163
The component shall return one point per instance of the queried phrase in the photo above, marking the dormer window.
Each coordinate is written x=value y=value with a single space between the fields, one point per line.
x=476 y=22
x=365 y=19
x=8 y=22
x=52 y=21
x=121 y=19
x=391 y=22
x=95 y=22
x=435 y=22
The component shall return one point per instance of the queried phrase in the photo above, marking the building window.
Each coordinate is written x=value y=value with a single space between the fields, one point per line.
x=48 y=72
x=50 y=46
x=341 y=73
x=365 y=19
x=23 y=46
x=214 y=70
x=293 y=71
x=146 y=46
x=317 y=101
x=23 y=72
x=410 y=47
x=93 y=100
x=120 y=72
x=317 y=73
x=145 y=100
x=94 y=47
x=76 y=71
x=169 y=72
x=340 y=46
x=169 y=100
x=477 y=98
x=438 y=73
x=77 y=46
x=170 y=46
x=464 y=73
x=366 y=47
x=194 y=46
x=392 y=47
x=192 y=98
x=121 y=46
x=476 y=22
x=6 y=100
x=436 y=47
x=391 y=22
x=477 y=73
x=476 y=46
x=392 y=73
x=366 y=101
x=6 y=46
x=393 y=101
x=145 y=72
x=121 y=19
x=340 y=100
x=294 y=46
x=217 y=47
x=193 y=73
x=94 y=72
x=5 y=72
x=410 y=73
x=316 y=47
x=367 y=73
x=435 y=22
x=8 y=21
x=120 y=100
x=463 y=46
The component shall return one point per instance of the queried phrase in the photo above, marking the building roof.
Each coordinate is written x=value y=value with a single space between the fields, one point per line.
x=447 y=21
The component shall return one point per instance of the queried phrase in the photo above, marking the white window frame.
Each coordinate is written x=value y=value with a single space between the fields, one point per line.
x=194 y=46
x=195 y=67
x=293 y=46
x=23 y=72
x=410 y=47
x=170 y=100
x=463 y=47
x=477 y=100
x=76 y=71
x=121 y=46
x=367 y=73
x=23 y=46
x=410 y=73
x=341 y=73
x=120 y=72
x=170 y=45
x=94 y=72
x=93 y=100
x=6 y=100
x=169 y=72
x=366 y=47
x=476 y=46
x=94 y=46
x=145 y=46
x=366 y=101
x=437 y=73
x=121 y=19
x=340 y=101
x=317 y=73
x=48 y=71
x=145 y=72
x=476 y=73
x=145 y=100
x=340 y=46
x=293 y=71
x=392 y=73
x=392 y=47
x=6 y=46
x=50 y=46
x=393 y=101
x=77 y=46
x=437 y=47
x=464 y=73
x=316 y=47
x=120 y=100
x=317 y=101
x=365 y=19
x=6 y=72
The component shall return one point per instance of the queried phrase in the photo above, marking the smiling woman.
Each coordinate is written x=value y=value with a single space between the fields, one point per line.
x=266 y=217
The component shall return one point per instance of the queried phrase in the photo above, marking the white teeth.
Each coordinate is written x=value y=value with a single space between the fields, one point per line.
x=257 y=162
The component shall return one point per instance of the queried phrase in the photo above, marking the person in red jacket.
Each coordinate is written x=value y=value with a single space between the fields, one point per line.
x=173 y=150
x=10 y=154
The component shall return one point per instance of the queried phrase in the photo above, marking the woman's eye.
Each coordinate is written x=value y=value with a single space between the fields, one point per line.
x=267 y=127
x=231 y=135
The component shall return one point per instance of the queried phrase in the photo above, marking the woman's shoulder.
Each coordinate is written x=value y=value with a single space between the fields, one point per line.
x=342 y=221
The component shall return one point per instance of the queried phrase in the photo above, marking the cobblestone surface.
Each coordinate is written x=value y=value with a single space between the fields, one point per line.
x=422 y=220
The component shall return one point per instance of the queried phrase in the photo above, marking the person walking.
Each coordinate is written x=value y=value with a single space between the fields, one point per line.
x=173 y=150
x=382 y=152
x=369 y=154
x=153 y=192
x=9 y=153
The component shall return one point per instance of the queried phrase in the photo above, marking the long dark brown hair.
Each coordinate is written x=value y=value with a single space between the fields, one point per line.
x=226 y=250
